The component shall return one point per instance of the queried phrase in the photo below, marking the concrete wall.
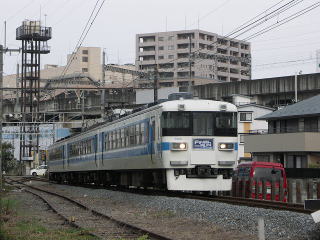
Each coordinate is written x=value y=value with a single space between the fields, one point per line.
x=285 y=142
x=270 y=91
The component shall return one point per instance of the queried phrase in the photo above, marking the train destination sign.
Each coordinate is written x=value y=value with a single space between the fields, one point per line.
x=203 y=143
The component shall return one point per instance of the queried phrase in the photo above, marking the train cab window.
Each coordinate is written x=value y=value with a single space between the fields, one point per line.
x=202 y=124
x=176 y=124
x=225 y=124
x=199 y=124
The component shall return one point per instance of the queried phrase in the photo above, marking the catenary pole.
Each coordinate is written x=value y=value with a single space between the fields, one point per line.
x=1 y=120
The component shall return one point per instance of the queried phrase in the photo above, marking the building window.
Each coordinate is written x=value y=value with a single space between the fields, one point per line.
x=84 y=70
x=161 y=48
x=84 y=51
x=246 y=117
x=84 y=59
x=241 y=138
x=171 y=47
x=160 y=39
x=170 y=38
x=171 y=56
x=161 y=57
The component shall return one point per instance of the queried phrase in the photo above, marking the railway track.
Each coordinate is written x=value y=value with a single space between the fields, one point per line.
x=81 y=216
x=226 y=199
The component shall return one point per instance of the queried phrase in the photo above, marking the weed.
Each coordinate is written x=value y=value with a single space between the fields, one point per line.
x=7 y=206
x=164 y=214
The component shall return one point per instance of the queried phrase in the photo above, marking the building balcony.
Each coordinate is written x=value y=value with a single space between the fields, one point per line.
x=286 y=141
x=147 y=53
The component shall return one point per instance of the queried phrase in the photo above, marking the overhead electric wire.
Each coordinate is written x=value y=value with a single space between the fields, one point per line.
x=283 y=21
x=264 y=18
x=269 y=15
x=212 y=11
x=83 y=35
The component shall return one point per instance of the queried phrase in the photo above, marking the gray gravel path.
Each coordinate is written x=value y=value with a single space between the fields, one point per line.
x=278 y=224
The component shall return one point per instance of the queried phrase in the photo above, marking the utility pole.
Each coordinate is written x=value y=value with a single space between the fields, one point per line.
x=103 y=82
x=155 y=84
x=296 y=88
x=2 y=51
x=190 y=67
x=1 y=113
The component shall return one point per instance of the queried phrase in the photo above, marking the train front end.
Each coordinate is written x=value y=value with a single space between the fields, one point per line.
x=199 y=144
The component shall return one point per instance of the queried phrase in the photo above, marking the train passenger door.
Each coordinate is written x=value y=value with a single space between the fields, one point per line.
x=102 y=147
x=154 y=139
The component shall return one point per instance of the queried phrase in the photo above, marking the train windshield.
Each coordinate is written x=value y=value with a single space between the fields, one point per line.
x=199 y=124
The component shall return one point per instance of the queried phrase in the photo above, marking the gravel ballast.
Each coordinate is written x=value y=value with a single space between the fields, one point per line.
x=278 y=224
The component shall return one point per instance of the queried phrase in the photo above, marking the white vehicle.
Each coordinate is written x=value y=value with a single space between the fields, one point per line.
x=39 y=171
x=175 y=145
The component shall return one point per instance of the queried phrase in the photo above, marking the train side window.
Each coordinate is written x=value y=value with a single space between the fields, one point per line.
x=142 y=138
x=119 y=138
x=138 y=134
x=122 y=138
x=115 y=139
x=131 y=136
x=127 y=136
x=110 y=141
x=105 y=143
x=87 y=147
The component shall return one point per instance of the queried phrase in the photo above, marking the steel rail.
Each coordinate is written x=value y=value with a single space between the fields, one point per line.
x=67 y=220
x=118 y=222
x=268 y=204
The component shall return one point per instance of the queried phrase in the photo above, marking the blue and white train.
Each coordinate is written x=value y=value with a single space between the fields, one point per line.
x=176 y=145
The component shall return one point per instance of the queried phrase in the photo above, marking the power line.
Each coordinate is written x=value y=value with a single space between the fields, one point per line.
x=209 y=13
x=80 y=40
x=283 y=21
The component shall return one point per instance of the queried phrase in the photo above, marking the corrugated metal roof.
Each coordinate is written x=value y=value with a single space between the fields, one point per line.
x=310 y=106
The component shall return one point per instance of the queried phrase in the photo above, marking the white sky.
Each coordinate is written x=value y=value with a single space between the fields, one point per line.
x=120 y=20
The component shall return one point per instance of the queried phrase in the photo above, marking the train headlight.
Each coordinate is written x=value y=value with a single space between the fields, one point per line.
x=178 y=146
x=226 y=146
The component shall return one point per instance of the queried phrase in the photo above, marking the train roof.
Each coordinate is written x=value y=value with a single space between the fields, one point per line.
x=198 y=105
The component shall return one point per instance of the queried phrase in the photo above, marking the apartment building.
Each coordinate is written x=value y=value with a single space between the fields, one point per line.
x=292 y=137
x=214 y=57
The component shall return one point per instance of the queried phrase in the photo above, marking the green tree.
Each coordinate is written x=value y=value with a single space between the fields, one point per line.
x=8 y=161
